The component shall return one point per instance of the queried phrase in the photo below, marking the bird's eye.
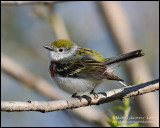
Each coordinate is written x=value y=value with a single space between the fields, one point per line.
x=60 y=50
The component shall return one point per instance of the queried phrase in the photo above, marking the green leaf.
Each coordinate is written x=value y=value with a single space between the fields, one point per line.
x=119 y=108
x=139 y=81
x=113 y=121
x=133 y=125
x=126 y=103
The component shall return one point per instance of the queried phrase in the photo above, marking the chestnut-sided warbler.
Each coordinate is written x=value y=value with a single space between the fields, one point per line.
x=77 y=70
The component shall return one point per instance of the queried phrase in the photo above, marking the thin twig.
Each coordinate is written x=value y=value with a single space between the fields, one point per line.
x=86 y=100
x=26 y=2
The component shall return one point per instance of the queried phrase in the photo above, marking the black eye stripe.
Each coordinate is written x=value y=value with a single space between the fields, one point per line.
x=60 y=50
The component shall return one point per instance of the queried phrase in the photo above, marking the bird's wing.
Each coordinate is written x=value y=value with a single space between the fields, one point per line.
x=80 y=67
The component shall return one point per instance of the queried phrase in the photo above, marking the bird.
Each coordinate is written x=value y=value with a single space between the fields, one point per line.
x=77 y=70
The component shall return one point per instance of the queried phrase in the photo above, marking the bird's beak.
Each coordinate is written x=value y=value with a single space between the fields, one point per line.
x=48 y=47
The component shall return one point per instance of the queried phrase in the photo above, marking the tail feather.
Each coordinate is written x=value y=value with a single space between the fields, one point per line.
x=124 y=57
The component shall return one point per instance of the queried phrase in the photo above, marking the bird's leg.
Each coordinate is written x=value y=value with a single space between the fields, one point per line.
x=122 y=83
x=74 y=95
x=95 y=94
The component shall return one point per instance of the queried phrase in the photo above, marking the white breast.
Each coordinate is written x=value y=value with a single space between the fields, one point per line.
x=75 y=85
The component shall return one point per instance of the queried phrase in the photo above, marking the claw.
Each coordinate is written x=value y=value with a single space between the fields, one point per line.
x=95 y=94
x=75 y=96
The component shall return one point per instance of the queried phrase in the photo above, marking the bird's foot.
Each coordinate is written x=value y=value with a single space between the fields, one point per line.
x=95 y=94
x=74 y=95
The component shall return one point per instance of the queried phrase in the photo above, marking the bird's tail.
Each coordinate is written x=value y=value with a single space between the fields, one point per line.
x=124 y=57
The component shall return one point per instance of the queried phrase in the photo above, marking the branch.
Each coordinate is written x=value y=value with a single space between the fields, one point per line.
x=86 y=100
x=26 y=2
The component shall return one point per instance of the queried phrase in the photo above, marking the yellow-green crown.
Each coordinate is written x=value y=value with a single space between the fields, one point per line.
x=62 y=43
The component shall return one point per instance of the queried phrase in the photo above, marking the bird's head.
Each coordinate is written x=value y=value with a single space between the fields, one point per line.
x=61 y=49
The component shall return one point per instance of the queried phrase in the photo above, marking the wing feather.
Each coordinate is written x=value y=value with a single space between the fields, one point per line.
x=80 y=67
